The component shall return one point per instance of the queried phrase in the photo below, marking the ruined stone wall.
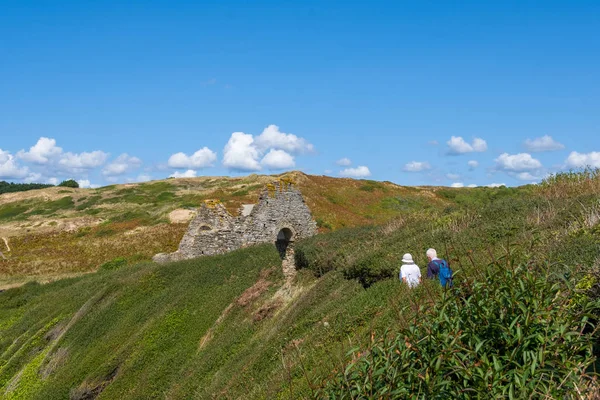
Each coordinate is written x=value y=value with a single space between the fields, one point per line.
x=215 y=231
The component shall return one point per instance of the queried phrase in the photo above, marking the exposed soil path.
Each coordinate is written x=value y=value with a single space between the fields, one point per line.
x=6 y=243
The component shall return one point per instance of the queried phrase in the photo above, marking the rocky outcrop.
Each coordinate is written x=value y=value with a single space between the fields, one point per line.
x=280 y=217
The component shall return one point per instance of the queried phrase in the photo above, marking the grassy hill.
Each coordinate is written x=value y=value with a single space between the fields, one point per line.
x=231 y=326
x=59 y=232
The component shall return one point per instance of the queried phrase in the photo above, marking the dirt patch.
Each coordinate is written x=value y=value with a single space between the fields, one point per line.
x=91 y=390
x=253 y=292
x=267 y=310
x=58 y=358
x=181 y=216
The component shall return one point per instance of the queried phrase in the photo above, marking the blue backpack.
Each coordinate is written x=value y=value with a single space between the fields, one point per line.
x=445 y=274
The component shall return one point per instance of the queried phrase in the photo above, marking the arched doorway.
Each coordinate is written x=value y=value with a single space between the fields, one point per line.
x=285 y=246
x=284 y=237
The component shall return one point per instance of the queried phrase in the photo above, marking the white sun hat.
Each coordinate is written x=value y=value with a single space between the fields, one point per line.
x=407 y=259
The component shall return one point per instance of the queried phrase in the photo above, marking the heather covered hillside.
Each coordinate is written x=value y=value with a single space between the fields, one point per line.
x=520 y=321
x=59 y=232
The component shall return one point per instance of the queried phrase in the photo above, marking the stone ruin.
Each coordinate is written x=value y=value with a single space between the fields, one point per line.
x=280 y=217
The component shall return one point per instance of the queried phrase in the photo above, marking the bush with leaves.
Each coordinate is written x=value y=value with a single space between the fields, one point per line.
x=69 y=183
x=510 y=333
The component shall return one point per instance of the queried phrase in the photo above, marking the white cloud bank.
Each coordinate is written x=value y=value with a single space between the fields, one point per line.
x=82 y=161
x=457 y=145
x=582 y=160
x=240 y=153
x=472 y=164
x=544 y=143
x=86 y=184
x=121 y=165
x=272 y=149
x=358 y=172
x=416 y=166
x=278 y=159
x=9 y=168
x=344 y=162
x=42 y=152
x=46 y=152
x=190 y=173
x=457 y=185
x=202 y=158
x=517 y=162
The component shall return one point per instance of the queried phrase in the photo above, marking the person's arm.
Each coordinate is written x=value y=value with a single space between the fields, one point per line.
x=432 y=270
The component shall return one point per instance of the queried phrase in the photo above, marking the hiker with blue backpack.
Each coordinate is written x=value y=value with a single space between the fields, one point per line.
x=438 y=268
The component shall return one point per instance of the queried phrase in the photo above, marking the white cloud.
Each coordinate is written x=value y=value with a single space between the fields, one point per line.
x=271 y=137
x=278 y=159
x=517 y=162
x=190 y=173
x=527 y=176
x=328 y=172
x=457 y=145
x=53 y=181
x=582 y=160
x=143 y=178
x=122 y=164
x=473 y=164
x=83 y=160
x=544 y=143
x=243 y=151
x=495 y=185
x=452 y=176
x=33 y=177
x=41 y=153
x=457 y=185
x=479 y=145
x=9 y=167
x=417 y=166
x=85 y=183
x=240 y=153
x=203 y=158
x=358 y=172
x=344 y=162
x=472 y=185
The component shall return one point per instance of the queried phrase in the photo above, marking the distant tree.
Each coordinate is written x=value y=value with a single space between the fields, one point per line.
x=69 y=183
x=9 y=187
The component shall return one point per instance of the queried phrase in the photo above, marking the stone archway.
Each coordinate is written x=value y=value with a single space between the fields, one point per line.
x=285 y=246
x=285 y=237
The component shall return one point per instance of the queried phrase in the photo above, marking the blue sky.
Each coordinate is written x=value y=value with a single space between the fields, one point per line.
x=418 y=93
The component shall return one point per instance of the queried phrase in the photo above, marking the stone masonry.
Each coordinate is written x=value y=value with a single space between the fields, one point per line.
x=280 y=217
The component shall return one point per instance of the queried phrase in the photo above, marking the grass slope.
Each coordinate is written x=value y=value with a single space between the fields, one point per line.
x=223 y=327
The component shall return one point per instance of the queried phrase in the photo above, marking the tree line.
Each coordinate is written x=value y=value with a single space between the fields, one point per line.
x=11 y=187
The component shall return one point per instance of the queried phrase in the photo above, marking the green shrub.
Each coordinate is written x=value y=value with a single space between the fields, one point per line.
x=114 y=264
x=69 y=183
x=509 y=333
x=12 y=210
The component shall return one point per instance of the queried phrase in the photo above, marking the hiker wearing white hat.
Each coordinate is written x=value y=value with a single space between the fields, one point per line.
x=410 y=273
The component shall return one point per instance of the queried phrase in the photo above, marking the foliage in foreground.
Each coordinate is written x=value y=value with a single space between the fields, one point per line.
x=511 y=333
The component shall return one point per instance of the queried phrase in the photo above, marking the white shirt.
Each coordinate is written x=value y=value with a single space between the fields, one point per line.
x=412 y=273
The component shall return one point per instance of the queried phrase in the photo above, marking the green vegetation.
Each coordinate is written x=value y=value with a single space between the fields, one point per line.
x=513 y=333
x=9 y=187
x=519 y=323
x=11 y=210
x=69 y=183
